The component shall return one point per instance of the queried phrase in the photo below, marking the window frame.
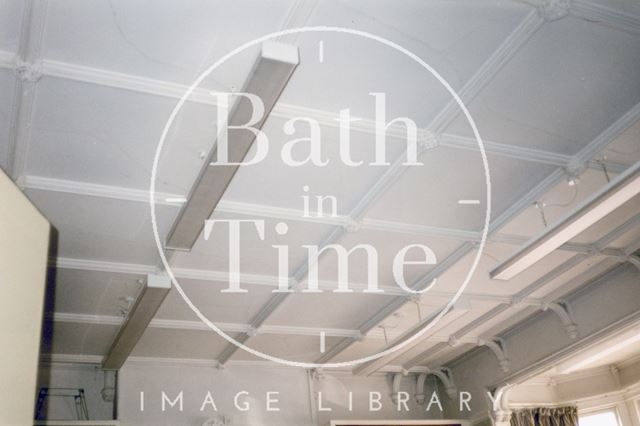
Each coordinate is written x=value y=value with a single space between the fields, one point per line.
x=600 y=410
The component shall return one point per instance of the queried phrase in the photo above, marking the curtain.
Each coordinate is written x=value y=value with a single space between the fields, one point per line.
x=562 y=416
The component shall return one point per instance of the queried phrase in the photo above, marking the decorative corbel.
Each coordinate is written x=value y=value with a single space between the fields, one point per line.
x=561 y=308
x=499 y=348
x=552 y=10
x=395 y=387
x=351 y=226
x=29 y=72
x=428 y=140
x=446 y=377
x=421 y=397
x=500 y=411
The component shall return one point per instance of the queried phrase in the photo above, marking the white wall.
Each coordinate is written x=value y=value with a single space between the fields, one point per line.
x=24 y=244
x=291 y=383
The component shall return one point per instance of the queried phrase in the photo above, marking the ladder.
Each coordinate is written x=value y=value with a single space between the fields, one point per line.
x=78 y=396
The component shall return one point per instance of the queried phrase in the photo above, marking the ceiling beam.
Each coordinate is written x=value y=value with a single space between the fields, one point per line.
x=169 y=324
x=603 y=15
x=525 y=154
x=27 y=67
x=57 y=358
x=584 y=156
x=498 y=310
x=466 y=338
x=530 y=289
x=500 y=57
x=372 y=366
x=600 y=331
x=397 y=302
x=272 y=281
x=452 y=259
x=258 y=210
x=280 y=330
x=598 y=144
x=261 y=280
x=137 y=84
x=27 y=62
x=297 y=16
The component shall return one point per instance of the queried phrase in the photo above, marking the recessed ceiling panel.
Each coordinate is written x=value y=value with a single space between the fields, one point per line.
x=177 y=41
x=378 y=251
x=279 y=180
x=95 y=134
x=328 y=309
x=77 y=338
x=11 y=14
x=626 y=148
x=567 y=85
x=361 y=349
x=452 y=38
x=207 y=296
x=289 y=347
x=102 y=228
x=436 y=194
x=173 y=343
x=92 y=292
x=258 y=253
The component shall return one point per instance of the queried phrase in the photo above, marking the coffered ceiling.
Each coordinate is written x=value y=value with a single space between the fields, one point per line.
x=87 y=88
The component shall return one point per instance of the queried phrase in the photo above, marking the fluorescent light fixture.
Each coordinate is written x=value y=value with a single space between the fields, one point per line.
x=145 y=307
x=620 y=190
x=267 y=80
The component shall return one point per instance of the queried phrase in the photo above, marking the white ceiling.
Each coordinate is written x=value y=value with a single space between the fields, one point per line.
x=545 y=95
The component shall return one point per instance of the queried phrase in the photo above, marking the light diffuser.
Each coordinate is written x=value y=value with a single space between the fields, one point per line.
x=145 y=307
x=267 y=80
x=620 y=190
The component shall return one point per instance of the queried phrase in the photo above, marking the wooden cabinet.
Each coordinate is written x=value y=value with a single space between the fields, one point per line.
x=24 y=246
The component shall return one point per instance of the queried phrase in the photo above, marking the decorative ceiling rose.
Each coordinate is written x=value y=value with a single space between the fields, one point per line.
x=552 y=10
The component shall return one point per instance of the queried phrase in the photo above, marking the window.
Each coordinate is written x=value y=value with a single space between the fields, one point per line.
x=603 y=418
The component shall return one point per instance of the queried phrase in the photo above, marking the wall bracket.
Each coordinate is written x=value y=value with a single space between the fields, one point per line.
x=562 y=309
x=395 y=386
x=499 y=348
x=421 y=397
x=446 y=377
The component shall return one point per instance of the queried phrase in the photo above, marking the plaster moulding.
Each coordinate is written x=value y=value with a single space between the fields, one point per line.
x=552 y=10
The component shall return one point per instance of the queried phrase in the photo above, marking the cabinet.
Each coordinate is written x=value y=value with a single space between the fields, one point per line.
x=24 y=246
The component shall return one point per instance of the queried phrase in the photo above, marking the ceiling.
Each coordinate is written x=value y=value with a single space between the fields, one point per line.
x=87 y=88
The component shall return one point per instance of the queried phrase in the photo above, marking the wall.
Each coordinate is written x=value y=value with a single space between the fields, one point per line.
x=24 y=245
x=296 y=407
